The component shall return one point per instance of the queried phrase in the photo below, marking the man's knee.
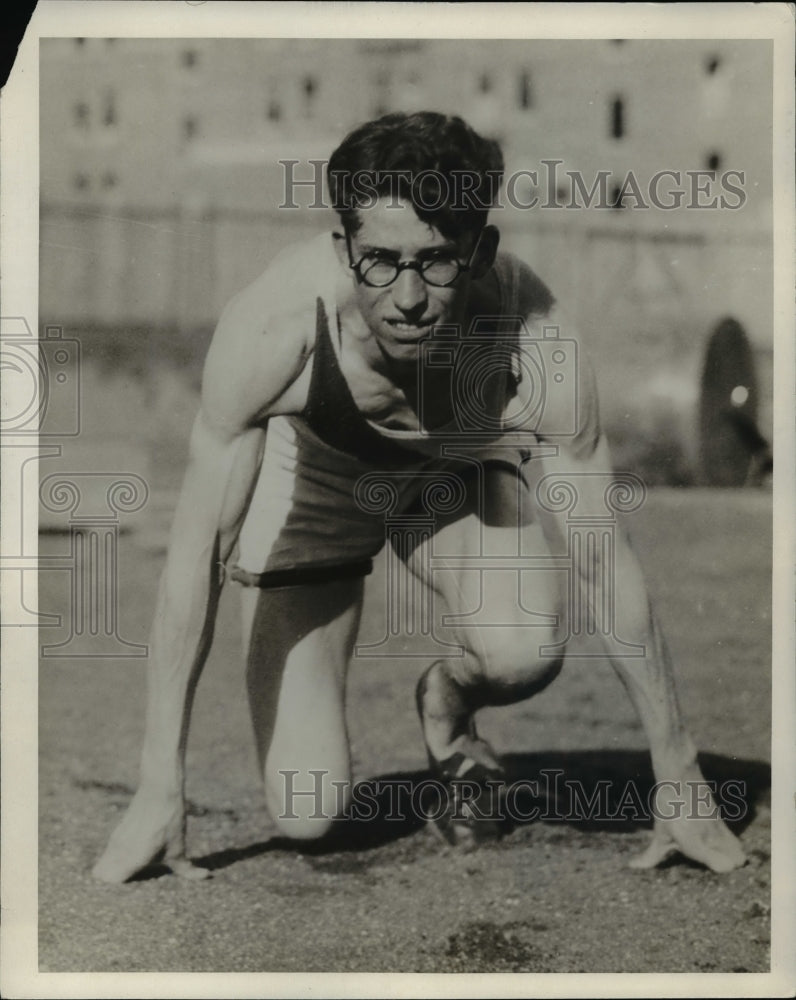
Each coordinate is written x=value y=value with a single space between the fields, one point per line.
x=305 y=804
x=510 y=664
x=518 y=662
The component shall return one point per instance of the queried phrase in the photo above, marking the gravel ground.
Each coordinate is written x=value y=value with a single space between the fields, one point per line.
x=551 y=896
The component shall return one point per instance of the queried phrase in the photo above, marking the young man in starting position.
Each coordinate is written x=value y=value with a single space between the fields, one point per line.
x=399 y=351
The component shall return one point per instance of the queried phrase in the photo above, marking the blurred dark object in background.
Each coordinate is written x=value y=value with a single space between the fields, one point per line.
x=733 y=452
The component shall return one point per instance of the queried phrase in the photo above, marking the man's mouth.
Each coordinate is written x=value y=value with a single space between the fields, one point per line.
x=411 y=330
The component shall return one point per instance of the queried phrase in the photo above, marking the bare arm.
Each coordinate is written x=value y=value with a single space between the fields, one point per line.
x=213 y=500
x=611 y=589
x=247 y=374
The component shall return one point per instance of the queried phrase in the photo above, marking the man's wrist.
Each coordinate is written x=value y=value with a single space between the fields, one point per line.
x=676 y=760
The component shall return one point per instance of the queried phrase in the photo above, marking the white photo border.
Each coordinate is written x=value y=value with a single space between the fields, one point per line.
x=19 y=267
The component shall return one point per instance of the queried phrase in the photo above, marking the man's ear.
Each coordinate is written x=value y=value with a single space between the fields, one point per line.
x=486 y=252
x=341 y=250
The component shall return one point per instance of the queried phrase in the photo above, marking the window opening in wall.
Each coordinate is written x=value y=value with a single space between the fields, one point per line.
x=525 y=91
x=485 y=83
x=190 y=57
x=109 y=111
x=617 y=118
x=712 y=64
x=189 y=127
x=80 y=112
x=381 y=101
x=310 y=87
x=713 y=161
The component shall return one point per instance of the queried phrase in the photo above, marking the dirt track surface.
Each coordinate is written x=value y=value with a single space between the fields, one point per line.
x=551 y=896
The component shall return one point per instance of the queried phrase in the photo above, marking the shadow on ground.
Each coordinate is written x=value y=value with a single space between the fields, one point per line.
x=606 y=791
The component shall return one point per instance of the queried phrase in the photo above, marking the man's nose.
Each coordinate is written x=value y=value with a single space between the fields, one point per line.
x=409 y=291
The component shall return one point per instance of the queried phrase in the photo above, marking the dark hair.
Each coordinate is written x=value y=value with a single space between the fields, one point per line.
x=449 y=173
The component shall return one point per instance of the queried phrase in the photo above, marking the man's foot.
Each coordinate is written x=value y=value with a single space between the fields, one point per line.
x=468 y=810
x=152 y=831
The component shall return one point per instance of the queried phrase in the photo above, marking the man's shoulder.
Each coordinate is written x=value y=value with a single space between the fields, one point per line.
x=265 y=336
x=287 y=289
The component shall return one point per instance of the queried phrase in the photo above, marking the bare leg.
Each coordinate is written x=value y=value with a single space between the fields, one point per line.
x=301 y=640
x=504 y=661
x=504 y=664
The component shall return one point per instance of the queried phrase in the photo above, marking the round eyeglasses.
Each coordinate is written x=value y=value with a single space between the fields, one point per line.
x=439 y=271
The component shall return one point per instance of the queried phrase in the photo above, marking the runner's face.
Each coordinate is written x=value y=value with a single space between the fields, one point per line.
x=402 y=314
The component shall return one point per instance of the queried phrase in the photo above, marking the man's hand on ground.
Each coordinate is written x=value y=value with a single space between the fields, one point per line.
x=151 y=831
x=695 y=830
x=705 y=840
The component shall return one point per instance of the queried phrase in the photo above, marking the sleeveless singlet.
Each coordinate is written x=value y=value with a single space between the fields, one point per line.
x=331 y=411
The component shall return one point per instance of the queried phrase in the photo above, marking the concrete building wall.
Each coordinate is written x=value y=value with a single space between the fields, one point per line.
x=161 y=179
